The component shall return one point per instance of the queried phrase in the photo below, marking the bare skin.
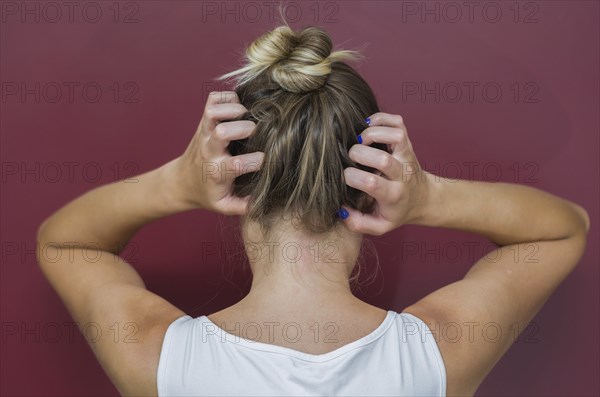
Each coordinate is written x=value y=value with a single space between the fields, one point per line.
x=506 y=291
x=301 y=286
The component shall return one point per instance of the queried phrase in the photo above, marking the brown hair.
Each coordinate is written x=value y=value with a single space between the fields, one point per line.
x=309 y=106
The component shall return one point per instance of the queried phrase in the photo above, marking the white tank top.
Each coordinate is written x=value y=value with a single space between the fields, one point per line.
x=399 y=358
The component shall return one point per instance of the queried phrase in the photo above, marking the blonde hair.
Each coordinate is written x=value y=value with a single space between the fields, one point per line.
x=298 y=62
x=309 y=106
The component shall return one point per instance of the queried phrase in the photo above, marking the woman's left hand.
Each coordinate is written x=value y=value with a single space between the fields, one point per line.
x=206 y=170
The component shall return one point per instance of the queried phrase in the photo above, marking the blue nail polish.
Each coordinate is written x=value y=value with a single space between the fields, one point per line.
x=359 y=139
x=343 y=213
x=368 y=120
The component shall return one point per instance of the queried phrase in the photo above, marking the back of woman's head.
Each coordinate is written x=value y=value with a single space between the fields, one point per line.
x=309 y=107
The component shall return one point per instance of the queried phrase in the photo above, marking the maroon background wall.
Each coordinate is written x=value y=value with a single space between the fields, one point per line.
x=99 y=91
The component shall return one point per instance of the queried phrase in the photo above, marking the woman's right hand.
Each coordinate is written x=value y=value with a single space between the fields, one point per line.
x=403 y=188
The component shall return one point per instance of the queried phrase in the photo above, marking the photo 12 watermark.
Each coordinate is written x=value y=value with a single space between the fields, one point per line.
x=325 y=12
x=490 y=92
x=68 y=172
x=70 y=92
x=37 y=332
x=70 y=12
x=27 y=252
x=471 y=12
x=291 y=332
x=472 y=331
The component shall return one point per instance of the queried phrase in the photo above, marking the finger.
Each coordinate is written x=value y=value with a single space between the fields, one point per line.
x=214 y=114
x=232 y=205
x=395 y=121
x=224 y=133
x=243 y=164
x=387 y=119
x=365 y=223
x=396 y=139
x=216 y=97
x=382 y=134
x=374 y=185
x=376 y=158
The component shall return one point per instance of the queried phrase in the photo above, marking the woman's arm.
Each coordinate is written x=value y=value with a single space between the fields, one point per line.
x=542 y=238
x=106 y=217
x=77 y=251
x=77 y=246
x=505 y=213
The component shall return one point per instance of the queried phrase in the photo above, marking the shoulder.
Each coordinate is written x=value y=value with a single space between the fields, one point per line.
x=133 y=322
x=458 y=381
x=137 y=368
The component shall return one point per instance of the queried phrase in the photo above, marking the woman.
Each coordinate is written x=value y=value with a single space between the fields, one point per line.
x=290 y=151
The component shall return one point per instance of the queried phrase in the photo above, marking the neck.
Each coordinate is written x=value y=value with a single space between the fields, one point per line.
x=298 y=271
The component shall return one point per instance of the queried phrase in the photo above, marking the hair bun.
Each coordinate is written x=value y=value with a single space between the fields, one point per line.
x=303 y=63
x=298 y=62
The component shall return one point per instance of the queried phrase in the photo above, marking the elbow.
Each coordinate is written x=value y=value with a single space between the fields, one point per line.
x=41 y=231
x=46 y=242
x=584 y=218
x=579 y=239
x=40 y=238
x=43 y=237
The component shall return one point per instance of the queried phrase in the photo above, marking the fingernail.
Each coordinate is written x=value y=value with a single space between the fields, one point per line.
x=359 y=139
x=368 y=120
x=343 y=213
